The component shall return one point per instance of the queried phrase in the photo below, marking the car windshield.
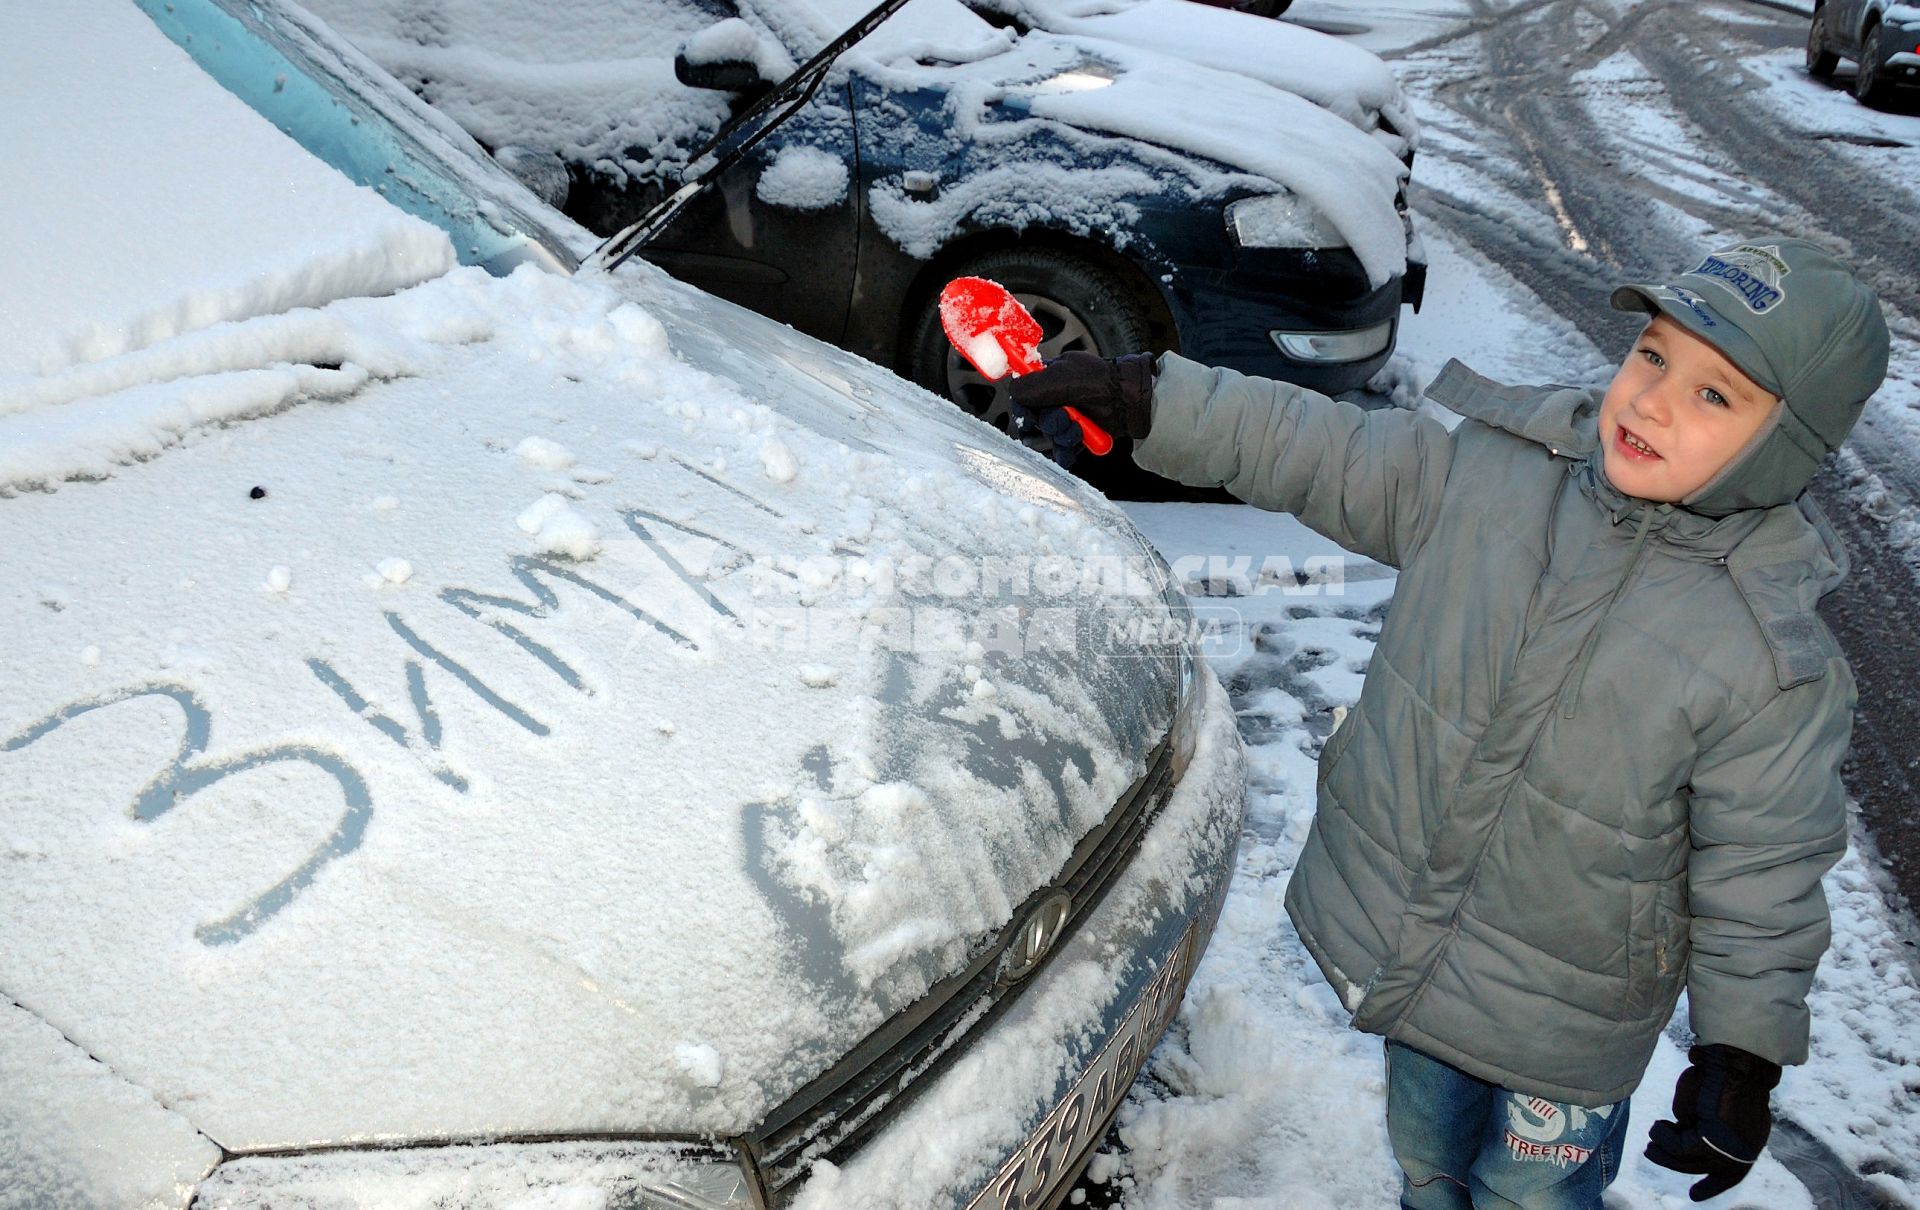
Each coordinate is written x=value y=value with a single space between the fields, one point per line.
x=265 y=58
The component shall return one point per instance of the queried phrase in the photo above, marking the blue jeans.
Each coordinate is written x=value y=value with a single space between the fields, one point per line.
x=1465 y=1144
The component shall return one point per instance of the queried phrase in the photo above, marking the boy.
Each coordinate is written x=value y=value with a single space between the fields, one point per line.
x=1597 y=751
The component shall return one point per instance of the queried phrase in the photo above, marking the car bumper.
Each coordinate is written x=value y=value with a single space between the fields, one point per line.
x=1903 y=67
x=1009 y=1123
x=1235 y=316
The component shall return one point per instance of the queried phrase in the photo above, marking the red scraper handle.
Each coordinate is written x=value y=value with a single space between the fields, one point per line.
x=998 y=337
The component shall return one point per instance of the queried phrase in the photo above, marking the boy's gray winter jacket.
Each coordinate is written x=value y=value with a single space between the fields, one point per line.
x=1598 y=749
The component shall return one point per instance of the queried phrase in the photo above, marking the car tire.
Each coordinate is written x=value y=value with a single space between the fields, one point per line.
x=1870 y=84
x=1079 y=304
x=1821 y=60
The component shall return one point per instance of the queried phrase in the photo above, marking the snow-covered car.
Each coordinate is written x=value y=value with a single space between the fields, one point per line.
x=1154 y=175
x=1881 y=36
x=481 y=730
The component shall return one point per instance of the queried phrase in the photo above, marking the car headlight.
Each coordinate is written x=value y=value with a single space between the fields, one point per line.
x=1184 y=734
x=1280 y=220
x=497 y=1176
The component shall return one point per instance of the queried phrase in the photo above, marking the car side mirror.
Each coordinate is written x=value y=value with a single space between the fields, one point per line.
x=720 y=75
x=731 y=56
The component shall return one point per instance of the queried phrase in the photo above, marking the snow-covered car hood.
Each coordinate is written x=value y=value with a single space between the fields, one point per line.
x=529 y=705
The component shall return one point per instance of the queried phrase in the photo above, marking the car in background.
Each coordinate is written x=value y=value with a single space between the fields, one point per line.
x=484 y=728
x=1158 y=175
x=1882 y=37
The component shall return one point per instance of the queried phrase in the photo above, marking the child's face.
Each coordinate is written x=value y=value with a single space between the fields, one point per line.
x=1676 y=412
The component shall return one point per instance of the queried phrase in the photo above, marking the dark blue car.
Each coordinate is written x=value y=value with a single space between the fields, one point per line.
x=1161 y=176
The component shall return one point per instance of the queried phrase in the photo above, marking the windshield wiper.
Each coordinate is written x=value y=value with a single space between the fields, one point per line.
x=736 y=138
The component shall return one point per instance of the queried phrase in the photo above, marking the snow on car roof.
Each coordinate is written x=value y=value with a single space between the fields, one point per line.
x=129 y=225
x=448 y=714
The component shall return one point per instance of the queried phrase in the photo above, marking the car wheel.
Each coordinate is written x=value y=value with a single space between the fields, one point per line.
x=1870 y=85
x=1820 y=60
x=1078 y=304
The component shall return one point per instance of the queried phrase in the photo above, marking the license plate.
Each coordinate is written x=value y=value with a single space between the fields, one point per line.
x=1034 y=1173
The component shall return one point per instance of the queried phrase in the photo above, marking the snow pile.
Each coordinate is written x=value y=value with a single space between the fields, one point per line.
x=735 y=41
x=544 y=454
x=557 y=529
x=803 y=178
x=143 y=230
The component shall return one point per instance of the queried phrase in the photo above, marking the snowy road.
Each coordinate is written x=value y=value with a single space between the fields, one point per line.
x=1569 y=144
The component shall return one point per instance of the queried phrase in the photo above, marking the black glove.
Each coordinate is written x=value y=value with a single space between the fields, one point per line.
x=1115 y=393
x=1721 y=1101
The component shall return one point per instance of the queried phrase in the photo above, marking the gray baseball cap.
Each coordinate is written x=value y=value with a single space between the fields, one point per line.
x=1797 y=321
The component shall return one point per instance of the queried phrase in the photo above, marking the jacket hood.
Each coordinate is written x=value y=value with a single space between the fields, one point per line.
x=1784 y=557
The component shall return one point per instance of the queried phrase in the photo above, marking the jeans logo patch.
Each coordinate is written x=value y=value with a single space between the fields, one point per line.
x=1536 y=1128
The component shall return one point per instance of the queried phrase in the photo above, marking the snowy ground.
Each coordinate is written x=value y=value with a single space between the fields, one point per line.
x=1261 y=1098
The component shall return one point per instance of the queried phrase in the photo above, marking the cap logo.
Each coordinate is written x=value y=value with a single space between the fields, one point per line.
x=1691 y=301
x=1753 y=273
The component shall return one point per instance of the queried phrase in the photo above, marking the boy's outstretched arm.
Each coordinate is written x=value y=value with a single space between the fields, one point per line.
x=1369 y=480
x=1768 y=819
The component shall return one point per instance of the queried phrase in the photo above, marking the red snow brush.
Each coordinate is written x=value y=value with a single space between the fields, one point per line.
x=990 y=328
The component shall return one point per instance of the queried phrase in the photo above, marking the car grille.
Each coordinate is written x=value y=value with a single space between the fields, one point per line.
x=835 y=1113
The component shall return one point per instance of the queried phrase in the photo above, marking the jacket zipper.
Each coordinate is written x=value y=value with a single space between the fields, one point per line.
x=1593 y=636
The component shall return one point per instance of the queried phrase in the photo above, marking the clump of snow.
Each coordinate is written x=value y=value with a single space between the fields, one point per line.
x=804 y=178
x=777 y=461
x=394 y=570
x=986 y=355
x=819 y=676
x=557 y=529
x=735 y=41
x=640 y=332
x=279 y=578
x=545 y=454
x=700 y=1063
x=385 y=504
x=90 y=655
